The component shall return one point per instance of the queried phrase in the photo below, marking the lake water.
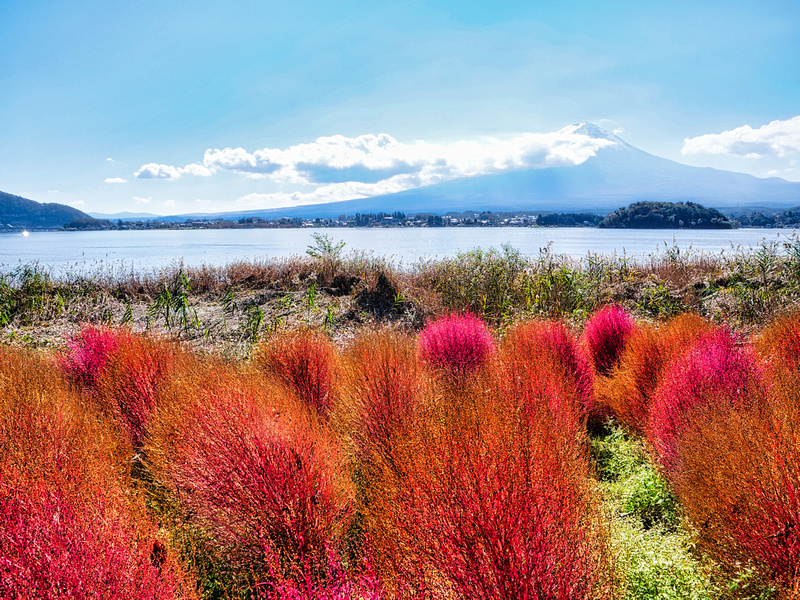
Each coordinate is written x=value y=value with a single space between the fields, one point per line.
x=153 y=249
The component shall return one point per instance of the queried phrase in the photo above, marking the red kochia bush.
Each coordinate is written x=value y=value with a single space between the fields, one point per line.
x=499 y=505
x=544 y=354
x=493 y=496
x=305 y=362
x=69 y=525
x=458 y=344
x=260 y=478
x=779 y=343
x=739 y=477
x=130 y=384
x=605 y=335
x=54 y=545
x=122 y=373
x=88 y=352
x=715 y=371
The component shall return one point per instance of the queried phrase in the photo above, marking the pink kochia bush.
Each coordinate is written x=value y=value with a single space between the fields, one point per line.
x=715 y=371
x=458 y=344
x=605 y=335
x=739 y=456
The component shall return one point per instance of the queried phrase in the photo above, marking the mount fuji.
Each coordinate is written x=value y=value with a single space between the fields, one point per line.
x=617 y=175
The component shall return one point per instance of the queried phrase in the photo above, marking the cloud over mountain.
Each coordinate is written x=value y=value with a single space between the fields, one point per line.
x=338 y=167
x=776 y=139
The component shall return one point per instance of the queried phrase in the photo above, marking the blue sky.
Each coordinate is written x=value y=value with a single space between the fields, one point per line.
x=171 y=107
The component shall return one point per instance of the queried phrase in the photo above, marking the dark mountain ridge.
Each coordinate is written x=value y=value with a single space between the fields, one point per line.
x=17 y=212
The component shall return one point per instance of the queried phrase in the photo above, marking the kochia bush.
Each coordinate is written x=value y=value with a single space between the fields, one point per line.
x=643 y=363
x=496 y=506
x=715 y=371
x=88 y=352
x=457 y=344
x=305 y=362
x=70 y=526
x=261 y=479
x=605 y=336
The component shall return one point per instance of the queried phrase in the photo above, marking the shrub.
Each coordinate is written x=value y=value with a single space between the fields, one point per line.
x=385 y=385
x=54 y=545
x=746 y=508
x=492 y=507
x=780 y=342
x=70 y=526
x=715 y=371
x=605 y=336
x=88 y=352
x=303 y=361
x=493 y=495
x=648 y=353
x=257 y=475
x=543 y=355
x=457 y=344
x=129 y=387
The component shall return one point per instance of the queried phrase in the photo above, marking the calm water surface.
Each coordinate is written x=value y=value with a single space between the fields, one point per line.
x=154 y=249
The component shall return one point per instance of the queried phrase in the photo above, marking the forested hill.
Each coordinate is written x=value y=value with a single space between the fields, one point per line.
x=20 y=213
x=666 y=215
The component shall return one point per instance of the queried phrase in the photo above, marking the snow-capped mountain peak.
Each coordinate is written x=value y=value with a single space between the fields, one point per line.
x=593 y=131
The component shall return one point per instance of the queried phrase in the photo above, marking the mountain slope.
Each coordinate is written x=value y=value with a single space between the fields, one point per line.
x=18 y=212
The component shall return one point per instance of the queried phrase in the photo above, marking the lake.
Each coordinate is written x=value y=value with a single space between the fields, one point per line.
x=157 y=248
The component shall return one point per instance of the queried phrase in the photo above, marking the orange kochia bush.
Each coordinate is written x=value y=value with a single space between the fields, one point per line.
x=303 y=361
x=486 y=488
x=627 y=392
x=732 y=450
x=123 y=373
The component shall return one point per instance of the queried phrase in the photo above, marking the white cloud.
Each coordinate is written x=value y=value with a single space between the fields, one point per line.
x=157 y=171
x=139 y=200
x=170 y=203
x=109 y=159
x=78 y=203
x=333 y=192
x=776 y=139
x=367 y=160
x=115 y=180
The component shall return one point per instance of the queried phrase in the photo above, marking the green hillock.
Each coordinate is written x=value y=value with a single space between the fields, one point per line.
x=666 y=215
